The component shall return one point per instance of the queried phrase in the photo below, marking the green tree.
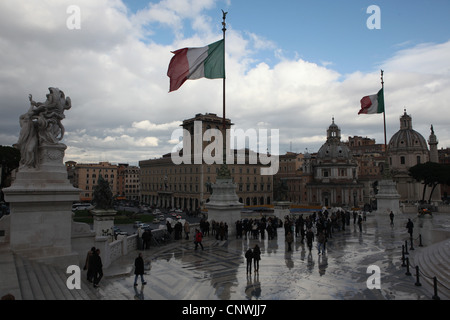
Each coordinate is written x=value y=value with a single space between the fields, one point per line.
x=9 y=160
x=430 y=174
x=103 y=197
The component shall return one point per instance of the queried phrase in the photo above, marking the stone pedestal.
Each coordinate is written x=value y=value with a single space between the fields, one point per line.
x=388 y=198
x=104 y=222
x=224 y=205
x=281 y=209
x=41 y=208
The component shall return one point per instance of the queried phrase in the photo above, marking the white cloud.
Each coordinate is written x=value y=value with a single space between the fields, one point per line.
x=122 y=111
x=149 y=126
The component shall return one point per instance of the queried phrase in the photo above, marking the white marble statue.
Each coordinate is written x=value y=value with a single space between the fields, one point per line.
x=41 y=125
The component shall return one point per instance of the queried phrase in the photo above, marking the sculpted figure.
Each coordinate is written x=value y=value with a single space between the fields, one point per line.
x=41 y=125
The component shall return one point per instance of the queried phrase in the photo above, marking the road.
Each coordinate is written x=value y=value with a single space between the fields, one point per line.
x=130 y=229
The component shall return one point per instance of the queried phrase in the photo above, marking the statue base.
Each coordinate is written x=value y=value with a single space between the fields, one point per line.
x=224 y=205
x=104 y=222
x=281 y=209
x=41 y=208
x=388 y=198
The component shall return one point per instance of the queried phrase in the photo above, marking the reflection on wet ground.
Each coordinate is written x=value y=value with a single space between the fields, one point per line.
x=178 y=272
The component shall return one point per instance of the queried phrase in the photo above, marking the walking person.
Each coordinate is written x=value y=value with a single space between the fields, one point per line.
x=88 y=265
x=360 y=219
x=289 y=240
x=198 y=239
x=410 y=227
x=97 y=268
x=146 y=237
x=391 y=216
x=321 y=242
x=256 y=257
x=309 y=239
x=249 y=257
x=187 y=229
x=139 y=269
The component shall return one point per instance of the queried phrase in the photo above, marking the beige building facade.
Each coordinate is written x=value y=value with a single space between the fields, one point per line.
x=128 y=182
x=167 y=184
x=85 y=177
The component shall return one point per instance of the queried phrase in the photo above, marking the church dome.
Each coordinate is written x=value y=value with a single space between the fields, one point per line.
x=334 y=148
x=407 y=139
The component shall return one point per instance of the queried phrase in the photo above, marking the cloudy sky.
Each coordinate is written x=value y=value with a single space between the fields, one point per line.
x=291 y=65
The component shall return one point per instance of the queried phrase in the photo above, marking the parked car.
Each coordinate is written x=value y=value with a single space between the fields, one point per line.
x=137 y=224
x=117 y=231
x=82 y=206
x=143 y=225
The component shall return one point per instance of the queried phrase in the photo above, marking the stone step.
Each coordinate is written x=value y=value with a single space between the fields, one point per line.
x=433 y=261
x=22 y=276
x=439 y=262
x=40 y=281
x=32 y=280
x=44 y=283
x=60 y=287
x=444 y=250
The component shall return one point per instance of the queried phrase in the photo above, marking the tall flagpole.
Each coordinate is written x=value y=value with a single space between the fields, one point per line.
x=224 y=29
x=224 y=78
x=224 y=173
x=386 y=173
x=384 y=114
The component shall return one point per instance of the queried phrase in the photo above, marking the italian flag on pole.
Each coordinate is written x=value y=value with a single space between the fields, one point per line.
x=195 y=63
x=373 y=103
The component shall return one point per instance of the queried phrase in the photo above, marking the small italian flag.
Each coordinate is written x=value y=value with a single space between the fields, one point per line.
x=373 y=103
x=195 y=63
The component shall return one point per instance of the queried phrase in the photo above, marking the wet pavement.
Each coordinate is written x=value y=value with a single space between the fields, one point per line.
x=178 y=272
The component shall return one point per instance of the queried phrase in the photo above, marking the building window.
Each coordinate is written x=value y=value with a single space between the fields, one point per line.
x=402 y=160
x=418 y=159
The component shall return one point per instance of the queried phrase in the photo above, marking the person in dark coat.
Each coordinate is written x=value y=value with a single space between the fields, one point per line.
x=97 y=267
x=309 y=239
x=88 y=265
x=146 y=239
x=289 y=240
x=139 y=269
x=249 y=257
x=360 y=220
x=391 y=216
x=256 y=257
x=169 y=227
x=410 y=227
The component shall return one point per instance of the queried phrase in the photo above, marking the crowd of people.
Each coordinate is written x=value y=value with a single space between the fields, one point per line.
x=316 y=226
x=218 y=229
x=307 y=228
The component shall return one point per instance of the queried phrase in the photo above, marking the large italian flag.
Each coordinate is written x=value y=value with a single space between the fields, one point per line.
x=373 y=103
x=195 y=63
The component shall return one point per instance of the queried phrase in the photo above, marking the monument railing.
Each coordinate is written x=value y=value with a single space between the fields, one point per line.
x=121 y=247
